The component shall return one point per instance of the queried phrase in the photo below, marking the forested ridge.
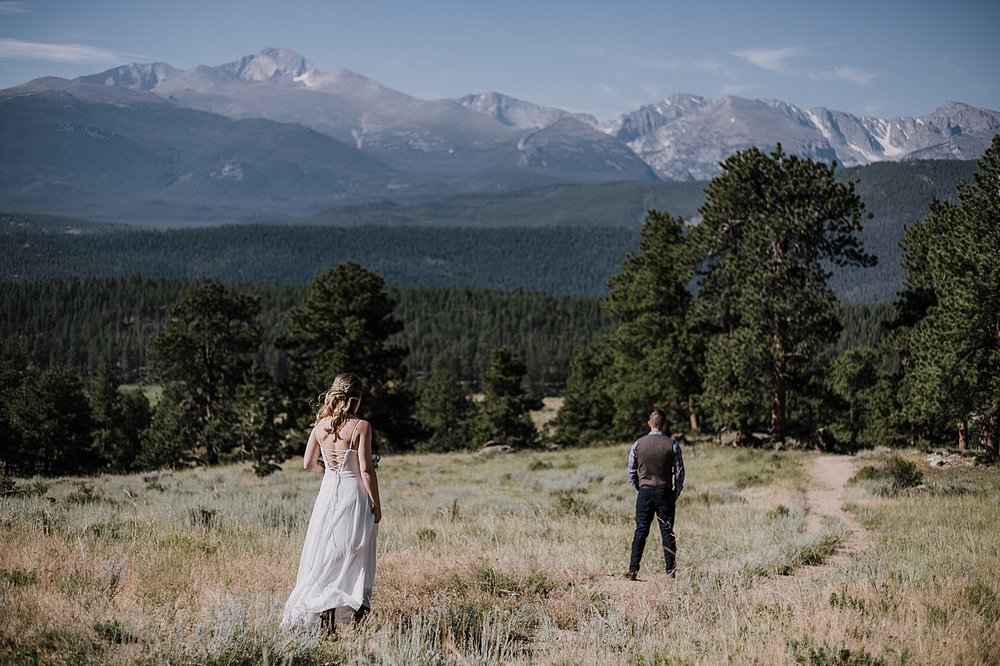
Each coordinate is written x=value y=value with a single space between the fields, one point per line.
x=84 y=323
x=557 y=260
x=505 y=243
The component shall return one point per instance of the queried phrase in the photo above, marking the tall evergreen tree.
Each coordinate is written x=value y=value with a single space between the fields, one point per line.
x=952 y=296
x=653 y=353
x=260 y=421
x=13 y=368
x=446 y=412
x=588 y=408
x=506 y=406
x=346 y=324
x=51 y=418
x=853 y=378
x=201 y=357
x=771 y=225
x=120 y=420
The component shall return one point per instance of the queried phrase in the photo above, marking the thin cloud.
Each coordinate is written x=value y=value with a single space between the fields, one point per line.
x=774 y=60
x=874 y=108
x=653 y=91
x=74 y=53
x=708 y=64
x=712 y=66
x=844 y=73
x=8 y=8
x=735 y=89
x=950 y=65
x=608 y=90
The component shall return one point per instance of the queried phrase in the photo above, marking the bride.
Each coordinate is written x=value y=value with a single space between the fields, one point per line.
x=337 y=566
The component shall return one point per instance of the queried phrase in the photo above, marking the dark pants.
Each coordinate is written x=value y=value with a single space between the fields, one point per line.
x=659 y=503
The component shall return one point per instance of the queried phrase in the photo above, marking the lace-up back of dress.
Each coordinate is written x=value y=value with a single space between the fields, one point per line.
x=336 y=460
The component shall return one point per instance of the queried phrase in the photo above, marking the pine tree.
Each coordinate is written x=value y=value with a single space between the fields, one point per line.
x=506 y=406
x=120 y=420
x=588 y=408
x=201 y=356
x=853 y=377
x=51 y=417
x=260 y=424
x=346 y=324
x=13 y=370
x=653 y=352
x=952 y=301
x=771 y=224
x=446 y=413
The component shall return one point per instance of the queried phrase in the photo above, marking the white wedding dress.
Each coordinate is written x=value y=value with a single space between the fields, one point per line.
x=337 y=567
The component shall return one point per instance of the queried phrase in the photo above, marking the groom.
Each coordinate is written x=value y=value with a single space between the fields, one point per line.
x=656 y=471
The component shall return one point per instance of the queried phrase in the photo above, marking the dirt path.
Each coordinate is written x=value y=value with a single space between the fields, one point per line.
x=825 y=499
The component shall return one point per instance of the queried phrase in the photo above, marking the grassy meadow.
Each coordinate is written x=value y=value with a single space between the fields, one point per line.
x=507 y=559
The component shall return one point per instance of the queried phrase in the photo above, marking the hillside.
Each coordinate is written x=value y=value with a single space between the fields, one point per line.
x=610 y=204
x=499 y=241
x=557 y=260
x=137 y=157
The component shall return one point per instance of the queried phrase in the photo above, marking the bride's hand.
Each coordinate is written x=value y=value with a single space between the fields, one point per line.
x=378 y=514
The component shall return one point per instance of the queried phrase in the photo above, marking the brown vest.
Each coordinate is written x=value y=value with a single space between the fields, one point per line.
x=654 y=457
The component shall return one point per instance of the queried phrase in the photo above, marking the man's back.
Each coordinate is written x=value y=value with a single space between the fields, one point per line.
x=654 y=457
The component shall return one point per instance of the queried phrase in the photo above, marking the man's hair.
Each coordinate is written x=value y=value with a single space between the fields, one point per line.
x=658 y=419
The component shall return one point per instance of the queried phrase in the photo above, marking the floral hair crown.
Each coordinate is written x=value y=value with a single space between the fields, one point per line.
x=345 y=386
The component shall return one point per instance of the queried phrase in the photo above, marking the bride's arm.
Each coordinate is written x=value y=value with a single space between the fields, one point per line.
x=368 y=468
x=310 y=461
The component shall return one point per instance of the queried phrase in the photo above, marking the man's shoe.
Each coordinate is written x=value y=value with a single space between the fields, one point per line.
x=632 y=575
x=672 y=573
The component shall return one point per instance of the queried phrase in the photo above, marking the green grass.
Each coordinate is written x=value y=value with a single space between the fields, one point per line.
x=506 y=559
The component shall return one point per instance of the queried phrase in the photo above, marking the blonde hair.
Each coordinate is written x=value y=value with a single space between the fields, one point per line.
x=336 y=402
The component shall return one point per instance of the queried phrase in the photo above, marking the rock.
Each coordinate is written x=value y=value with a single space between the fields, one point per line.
x=490 y=448
x=823 y=440
x=730 y=438
x=944 y=459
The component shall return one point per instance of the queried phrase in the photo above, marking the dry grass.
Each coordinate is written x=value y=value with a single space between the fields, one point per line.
x=506 y=559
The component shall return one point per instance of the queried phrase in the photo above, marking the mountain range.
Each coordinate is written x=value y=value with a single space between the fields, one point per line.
x=270 y=136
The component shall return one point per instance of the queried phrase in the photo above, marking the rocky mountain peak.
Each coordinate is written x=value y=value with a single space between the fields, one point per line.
x=514 y=112
x=135 y=76
x=681 y=137
x=270 y=64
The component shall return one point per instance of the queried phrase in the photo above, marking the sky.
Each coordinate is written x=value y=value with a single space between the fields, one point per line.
x=885 y=59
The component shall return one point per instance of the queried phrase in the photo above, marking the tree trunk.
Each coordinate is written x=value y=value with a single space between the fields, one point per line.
x=989 y=435
x=693 y=417
x=778 y=401
x=778 y=331
x=963 y=434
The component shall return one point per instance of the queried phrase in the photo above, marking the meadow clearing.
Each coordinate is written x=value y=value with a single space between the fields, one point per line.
x=513 y=558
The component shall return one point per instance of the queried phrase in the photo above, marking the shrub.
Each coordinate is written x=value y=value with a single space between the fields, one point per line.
x=825 y=655
x=85 y=493
x=18 y=577
x=113 y=632
x=895 y=474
